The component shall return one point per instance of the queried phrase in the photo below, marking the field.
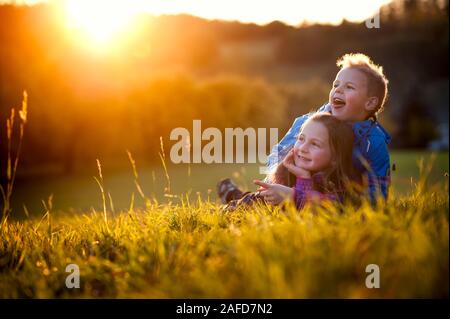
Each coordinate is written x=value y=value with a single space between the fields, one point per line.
x=184 y=247
x=98 y=99
x=80 y=192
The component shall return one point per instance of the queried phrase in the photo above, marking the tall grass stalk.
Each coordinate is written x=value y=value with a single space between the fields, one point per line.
x=162 y=156
x=102 y=191
x=137 y=182
x=13 y=159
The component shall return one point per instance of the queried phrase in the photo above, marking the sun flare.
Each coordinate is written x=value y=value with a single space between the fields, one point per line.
x=99 y=20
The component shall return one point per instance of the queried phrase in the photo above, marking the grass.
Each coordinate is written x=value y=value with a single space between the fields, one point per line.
x=192 y=250
x=80 y=192
x=13 y=157
x=183 y=246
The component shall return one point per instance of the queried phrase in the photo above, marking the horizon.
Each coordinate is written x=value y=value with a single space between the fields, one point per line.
x=293 y=13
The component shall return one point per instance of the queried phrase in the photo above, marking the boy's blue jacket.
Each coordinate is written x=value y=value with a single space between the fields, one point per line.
x=370 y=151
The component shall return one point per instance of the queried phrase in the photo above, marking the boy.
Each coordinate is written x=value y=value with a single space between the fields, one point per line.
x=357 y=96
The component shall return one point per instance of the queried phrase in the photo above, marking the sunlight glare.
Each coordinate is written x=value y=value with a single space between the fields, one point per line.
x=99 y=20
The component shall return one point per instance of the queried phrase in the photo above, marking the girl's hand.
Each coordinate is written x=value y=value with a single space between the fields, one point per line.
x=289 y=163
x=274 y=194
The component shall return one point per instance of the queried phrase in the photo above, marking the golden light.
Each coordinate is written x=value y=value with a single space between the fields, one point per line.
x=99 y=20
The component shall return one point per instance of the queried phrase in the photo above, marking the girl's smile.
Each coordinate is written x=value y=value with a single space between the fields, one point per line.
x=302 y=158
x=312 y=150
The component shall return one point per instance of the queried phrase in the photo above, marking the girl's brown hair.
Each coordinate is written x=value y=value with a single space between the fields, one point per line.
x=341 y=174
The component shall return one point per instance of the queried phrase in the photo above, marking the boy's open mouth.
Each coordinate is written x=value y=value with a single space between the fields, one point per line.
x=338 y=102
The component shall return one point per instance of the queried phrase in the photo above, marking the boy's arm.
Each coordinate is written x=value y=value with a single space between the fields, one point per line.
x=379 y=175
x=280 y=150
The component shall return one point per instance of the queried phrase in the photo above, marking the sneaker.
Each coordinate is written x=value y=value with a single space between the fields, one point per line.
x=228 y=191
x=247 y=200
x=230 y=206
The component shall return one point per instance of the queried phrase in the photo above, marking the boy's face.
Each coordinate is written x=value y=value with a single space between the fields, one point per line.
x=348 y=97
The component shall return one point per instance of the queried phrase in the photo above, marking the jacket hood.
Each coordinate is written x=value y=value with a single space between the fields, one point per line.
x=372 y=128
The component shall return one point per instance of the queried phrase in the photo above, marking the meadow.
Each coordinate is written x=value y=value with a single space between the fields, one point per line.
x=183 y=246
x=146 y=228
x=79 y=192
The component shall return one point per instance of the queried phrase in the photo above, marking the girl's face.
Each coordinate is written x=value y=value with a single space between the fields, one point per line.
x=312 y=150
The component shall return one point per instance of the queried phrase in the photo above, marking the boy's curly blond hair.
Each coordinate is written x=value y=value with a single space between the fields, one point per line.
x=377 y=83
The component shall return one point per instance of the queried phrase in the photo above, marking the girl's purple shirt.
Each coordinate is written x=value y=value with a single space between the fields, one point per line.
x=304 y=192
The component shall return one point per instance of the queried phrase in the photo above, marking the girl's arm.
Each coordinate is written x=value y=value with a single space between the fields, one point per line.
x=301 y=193
x=274 y=194
x=304 y=193
x=303 y=189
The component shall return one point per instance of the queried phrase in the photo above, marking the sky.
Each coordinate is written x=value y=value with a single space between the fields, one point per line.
x=292 y=12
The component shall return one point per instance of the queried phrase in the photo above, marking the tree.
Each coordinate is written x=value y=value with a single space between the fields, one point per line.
x=416 y=126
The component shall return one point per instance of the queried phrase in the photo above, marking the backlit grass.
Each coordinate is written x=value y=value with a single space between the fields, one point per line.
x=193 y=250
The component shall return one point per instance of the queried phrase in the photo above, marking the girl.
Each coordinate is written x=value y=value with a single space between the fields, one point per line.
x=319 y=167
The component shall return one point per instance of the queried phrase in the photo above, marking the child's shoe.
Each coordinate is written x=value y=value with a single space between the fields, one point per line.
x=228 y=191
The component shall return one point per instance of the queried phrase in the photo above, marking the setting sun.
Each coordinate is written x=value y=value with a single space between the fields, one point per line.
x=98 y=20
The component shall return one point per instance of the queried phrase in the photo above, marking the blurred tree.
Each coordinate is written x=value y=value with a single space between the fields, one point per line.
x=85 y=103
x=416 y=128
